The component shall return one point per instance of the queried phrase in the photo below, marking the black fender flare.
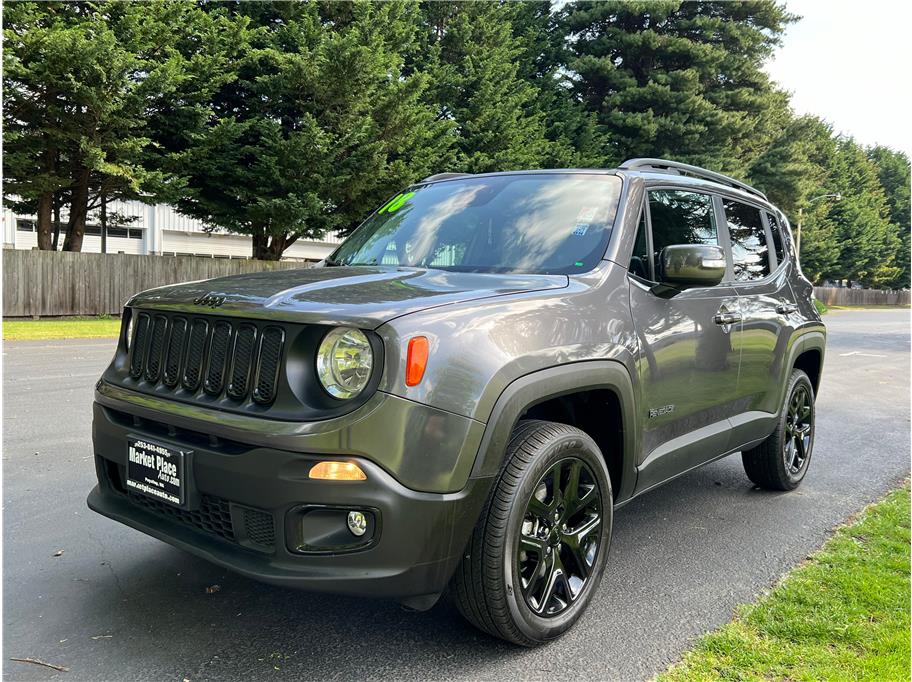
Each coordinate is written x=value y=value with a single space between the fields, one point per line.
x=553 y=382
x=813 y=338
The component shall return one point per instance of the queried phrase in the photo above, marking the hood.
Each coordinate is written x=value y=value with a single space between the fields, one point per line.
x=364 y=297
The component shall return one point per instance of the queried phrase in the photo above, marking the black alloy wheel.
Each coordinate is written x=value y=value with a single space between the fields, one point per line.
x=560 y=537
x=540 y=547
x=799 y=427
x=782 y=460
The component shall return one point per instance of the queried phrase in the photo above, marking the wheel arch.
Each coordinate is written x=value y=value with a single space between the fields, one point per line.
x=810 y=361
x=807 y=354
x=541 y=395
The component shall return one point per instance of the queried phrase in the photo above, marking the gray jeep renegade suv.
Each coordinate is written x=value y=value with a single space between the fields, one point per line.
x=465 y=391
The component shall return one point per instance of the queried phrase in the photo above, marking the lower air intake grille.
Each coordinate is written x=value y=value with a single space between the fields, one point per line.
x=259 y=526
x=213 y=516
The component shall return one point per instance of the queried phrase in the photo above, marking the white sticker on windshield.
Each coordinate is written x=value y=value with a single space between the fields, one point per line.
x=587 y=214
x=580 y=229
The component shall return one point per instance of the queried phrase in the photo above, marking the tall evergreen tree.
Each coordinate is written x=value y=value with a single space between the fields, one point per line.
x=81 y=81
x=571 y=131
x=869 y=244
x=849 y=238
x=893 y=172
x=679 y=79
x=473 y=54
x=795 y=165
x=319 y=126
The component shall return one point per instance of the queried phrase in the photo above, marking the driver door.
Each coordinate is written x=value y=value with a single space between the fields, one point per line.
x=687 y=367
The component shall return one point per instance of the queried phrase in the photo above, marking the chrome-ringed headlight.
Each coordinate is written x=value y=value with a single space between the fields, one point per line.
x=344 y=362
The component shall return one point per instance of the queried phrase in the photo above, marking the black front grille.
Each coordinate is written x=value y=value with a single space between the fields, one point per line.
x=242 y=361
x=156 y=347
x=270 y=357
x=218 y=357
x=174 y=359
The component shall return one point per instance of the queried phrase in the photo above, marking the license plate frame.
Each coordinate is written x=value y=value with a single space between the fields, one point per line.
x=157 y=470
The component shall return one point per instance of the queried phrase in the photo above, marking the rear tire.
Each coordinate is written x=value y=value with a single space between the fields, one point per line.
x=781 y=461
x=539 y=550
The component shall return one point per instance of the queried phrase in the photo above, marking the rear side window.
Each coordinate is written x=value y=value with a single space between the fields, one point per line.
x=777 y=237
x=750 y=253
x=681 y=217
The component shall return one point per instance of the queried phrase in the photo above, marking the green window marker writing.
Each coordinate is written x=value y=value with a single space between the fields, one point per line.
x=389 y=203
x=398 y=202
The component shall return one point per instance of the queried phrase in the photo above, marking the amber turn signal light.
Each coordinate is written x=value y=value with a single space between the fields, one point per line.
x=337 y=471
x=416 y=360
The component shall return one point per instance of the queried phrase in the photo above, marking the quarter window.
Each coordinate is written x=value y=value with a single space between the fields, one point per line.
x=750 y=253
x=777 y=237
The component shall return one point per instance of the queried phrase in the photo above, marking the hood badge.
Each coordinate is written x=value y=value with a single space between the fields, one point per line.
x=212 y=300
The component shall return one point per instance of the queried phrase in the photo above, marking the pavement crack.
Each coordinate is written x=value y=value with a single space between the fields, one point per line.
x=107 y=563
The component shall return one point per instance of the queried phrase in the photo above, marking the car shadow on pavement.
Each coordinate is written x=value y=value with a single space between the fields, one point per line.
x=212 y=623
x=679 y=558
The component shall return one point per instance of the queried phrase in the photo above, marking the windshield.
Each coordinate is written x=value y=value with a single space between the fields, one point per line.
x=535 y=223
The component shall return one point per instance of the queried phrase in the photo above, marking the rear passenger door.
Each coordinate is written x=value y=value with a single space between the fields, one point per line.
x=761 y=278
x=687 y=367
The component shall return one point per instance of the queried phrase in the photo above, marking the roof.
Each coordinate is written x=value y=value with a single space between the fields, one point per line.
x=638 y=166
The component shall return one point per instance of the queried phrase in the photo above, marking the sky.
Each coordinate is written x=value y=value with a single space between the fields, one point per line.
x=851 y=64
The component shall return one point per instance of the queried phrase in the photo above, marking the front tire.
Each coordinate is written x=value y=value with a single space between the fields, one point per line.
x=539 y=550
x=781 y=461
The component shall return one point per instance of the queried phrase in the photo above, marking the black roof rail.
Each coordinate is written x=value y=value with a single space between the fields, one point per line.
x=687 y=169
x=445 y=176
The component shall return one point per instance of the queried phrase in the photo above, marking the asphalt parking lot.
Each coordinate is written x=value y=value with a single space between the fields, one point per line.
x=116 y=605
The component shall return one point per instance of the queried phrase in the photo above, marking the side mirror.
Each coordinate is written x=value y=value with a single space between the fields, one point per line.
x=692 y=264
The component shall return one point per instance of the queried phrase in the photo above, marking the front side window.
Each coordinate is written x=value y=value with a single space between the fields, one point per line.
x=750 y=253
x=681 y=217
x=533 y=223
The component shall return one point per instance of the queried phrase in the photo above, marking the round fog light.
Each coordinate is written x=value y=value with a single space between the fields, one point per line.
x=357 y=523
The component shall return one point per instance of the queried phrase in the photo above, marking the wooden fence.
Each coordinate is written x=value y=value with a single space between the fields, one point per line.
x=843 y=296
x=52 y=283
x=56 y=283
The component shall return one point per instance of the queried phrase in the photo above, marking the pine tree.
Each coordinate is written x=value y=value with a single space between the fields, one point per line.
x=473 y=55
x=869 y=244
x=679 y=79
x=893 y=171
x=571 y=131
x=318 y=128
x=795 y=165
x=81 y=82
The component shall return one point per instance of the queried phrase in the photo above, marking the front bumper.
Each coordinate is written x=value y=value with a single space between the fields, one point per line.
x=247 y=493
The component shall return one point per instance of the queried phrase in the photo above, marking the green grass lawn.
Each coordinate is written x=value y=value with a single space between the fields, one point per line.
x=70 y=328
x=842 y=615
x=868 y=307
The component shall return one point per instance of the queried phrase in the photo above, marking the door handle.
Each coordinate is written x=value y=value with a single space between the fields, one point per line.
x=786 y=308
x=726 y=318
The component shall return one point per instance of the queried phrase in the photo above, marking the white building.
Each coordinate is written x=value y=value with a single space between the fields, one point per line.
x=157 y=230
